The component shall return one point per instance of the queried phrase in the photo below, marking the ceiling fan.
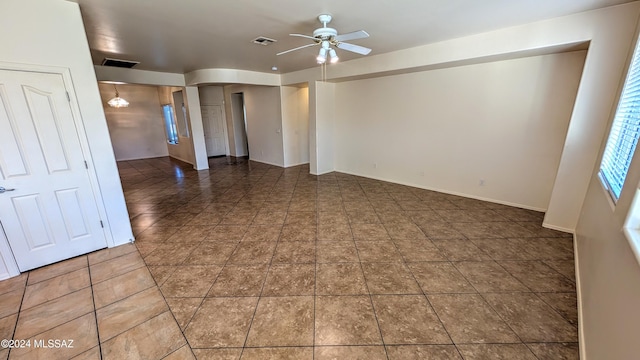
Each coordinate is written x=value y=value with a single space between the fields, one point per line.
x=327 y=37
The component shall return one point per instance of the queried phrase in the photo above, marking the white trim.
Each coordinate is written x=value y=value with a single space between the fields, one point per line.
x=82 y=136
x=298 y=164
x=7 y=256
x=631 y=228
x=581 y=341
x=265 y=162
x=325 y=172
x=444 y=191
x=143 y=158
x=183 y=160
x=633 y=237
x=558 y=228
x=606 y=191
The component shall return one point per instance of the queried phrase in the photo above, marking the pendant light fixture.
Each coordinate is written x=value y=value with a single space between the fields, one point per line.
x=117 y=102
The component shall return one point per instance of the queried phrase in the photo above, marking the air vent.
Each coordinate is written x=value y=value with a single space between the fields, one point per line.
x=263 y=41
x=119 y=63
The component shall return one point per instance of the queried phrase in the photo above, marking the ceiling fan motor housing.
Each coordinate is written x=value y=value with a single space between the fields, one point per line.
x=325 y=33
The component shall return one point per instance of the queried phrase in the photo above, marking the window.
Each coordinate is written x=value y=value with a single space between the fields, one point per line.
x=181 y=114
x=170 y=124
x=625 y=129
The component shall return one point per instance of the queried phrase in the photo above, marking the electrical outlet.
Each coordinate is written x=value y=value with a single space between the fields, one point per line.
x=481 y=182
x=375 y=165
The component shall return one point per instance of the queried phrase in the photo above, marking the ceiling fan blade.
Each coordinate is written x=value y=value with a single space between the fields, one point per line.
x=298 y=48
x=360 y=34
x=354 y=48
x=304 y=36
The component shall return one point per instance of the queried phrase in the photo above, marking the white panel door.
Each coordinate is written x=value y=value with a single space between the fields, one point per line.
x=47 y=208
x=214 y=135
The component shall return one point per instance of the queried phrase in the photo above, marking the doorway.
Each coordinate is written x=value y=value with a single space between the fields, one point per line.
x=239 y=116
x=213 y=126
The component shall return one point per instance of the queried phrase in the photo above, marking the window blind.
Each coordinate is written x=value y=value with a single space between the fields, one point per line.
x=625 y=130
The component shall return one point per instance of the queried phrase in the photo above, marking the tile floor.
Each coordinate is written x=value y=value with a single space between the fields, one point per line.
x=252 y=261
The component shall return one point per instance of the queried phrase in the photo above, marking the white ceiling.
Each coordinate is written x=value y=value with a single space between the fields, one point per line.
x=181 y=36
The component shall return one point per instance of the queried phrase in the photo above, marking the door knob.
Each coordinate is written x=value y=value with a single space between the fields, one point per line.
x=2 y=190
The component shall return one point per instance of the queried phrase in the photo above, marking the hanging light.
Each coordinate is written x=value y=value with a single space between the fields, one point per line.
x=324 y=49
x=333 y=56
x=117 y=102
x=322 y=56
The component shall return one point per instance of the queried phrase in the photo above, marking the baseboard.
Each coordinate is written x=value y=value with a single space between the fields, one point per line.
x=143 y=158
x=581 y=342
x=507 y=203
x=322 y=172
x=558 y=228
x=298 y=164
x=266 y=162
x=183 y=160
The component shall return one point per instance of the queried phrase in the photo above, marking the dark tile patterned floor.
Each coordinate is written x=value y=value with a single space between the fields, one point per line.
x=258 y=261
x=253 y=261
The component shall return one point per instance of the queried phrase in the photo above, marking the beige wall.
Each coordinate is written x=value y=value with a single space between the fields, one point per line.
x=54 y=36
x=211 y=95
x=322 y=127
x=608 y=270
x=183 y=150
x=502 y=123
x=264 y=122
x=295 y=124
x=137 y=131
x=607 y=32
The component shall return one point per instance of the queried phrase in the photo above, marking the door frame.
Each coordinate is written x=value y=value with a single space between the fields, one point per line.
x=84 y=145
x=11 y=265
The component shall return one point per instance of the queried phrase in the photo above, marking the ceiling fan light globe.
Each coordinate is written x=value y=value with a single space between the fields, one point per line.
x=322 y=56
x=333 y=56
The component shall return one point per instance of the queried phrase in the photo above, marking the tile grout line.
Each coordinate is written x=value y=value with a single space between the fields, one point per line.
x=95 y=310
x=315 y=272
x=373 y=308
x=24 y=291
x=266 y=276
x=210 y=287
x=424 y=293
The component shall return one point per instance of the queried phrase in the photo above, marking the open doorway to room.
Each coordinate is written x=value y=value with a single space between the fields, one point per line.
x=239 y=117
x=137 y=131
x=214 y=120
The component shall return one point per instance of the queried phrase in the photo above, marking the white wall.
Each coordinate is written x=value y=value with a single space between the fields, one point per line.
x=607 y=31
x=137 y=131
x=211 y=95
x=295 y=124
x=54 y=36
x=264 y=123
x=196 y=129
x=239 y=134
x=608 y=272
x=501 y=122
x=609 y=277
x=322 y=138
